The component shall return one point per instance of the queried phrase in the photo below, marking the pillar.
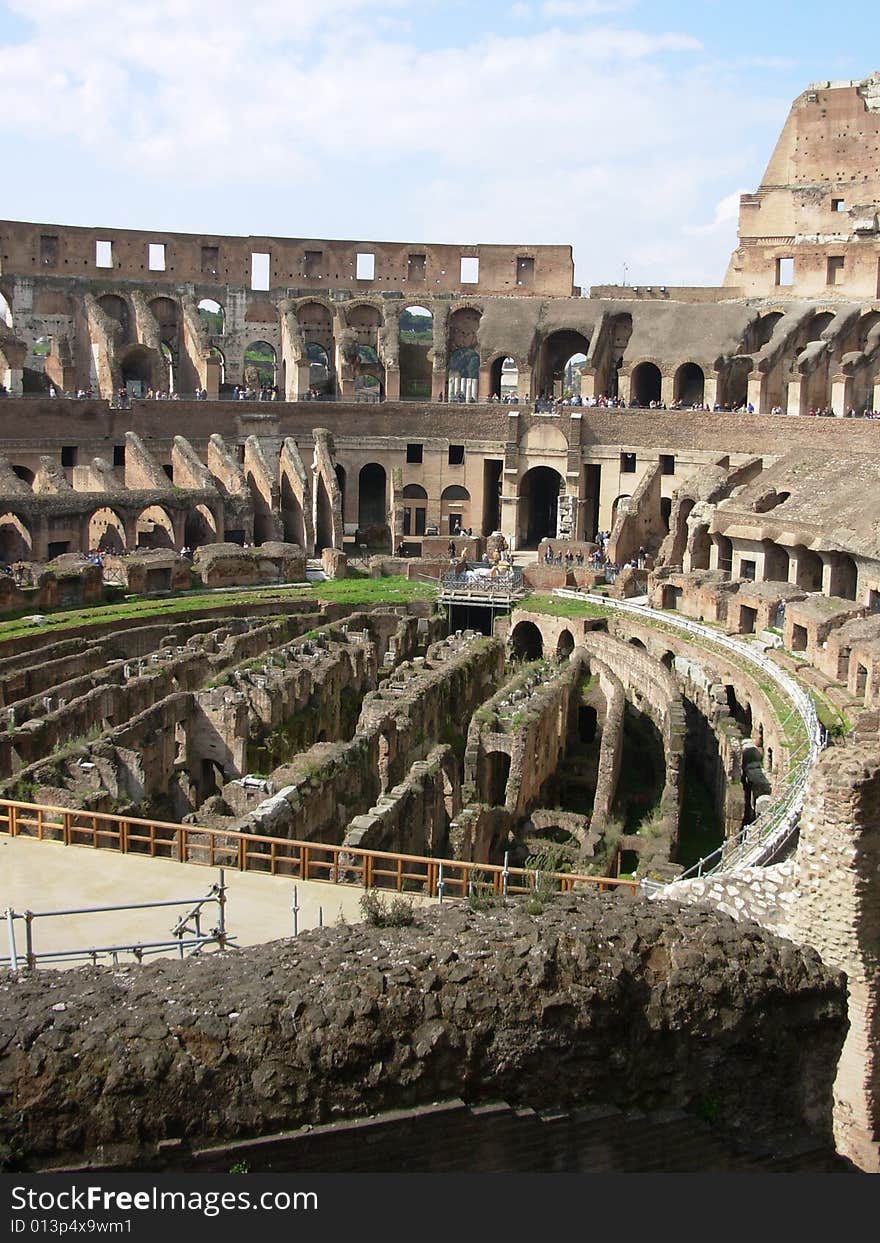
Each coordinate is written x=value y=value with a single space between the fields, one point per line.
x=793 y=401
x=757 y=390
x=667 y=389
x=392 y=384
x=841 y=394
x=484 y=384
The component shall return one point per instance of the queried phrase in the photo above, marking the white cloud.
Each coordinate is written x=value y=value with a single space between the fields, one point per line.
x=285 y=119
x=725 y=211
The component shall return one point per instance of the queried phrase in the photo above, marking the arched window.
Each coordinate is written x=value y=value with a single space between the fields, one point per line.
x=416 y=339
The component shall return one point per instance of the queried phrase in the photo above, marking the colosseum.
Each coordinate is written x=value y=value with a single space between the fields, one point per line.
x=418 y=569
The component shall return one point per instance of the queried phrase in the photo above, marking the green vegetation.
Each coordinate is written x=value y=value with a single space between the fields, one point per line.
x=396 y=913
x=830 y=716
x=367 y=591
x=558 y=606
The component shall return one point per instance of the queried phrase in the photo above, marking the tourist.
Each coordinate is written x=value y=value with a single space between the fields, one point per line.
x=548 y=554
x=450 y=548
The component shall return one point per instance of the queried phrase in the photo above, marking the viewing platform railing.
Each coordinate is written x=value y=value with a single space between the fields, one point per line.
x=279 y=856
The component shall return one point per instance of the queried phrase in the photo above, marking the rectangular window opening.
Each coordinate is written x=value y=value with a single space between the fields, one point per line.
x=525 y=271
x=68 y=455
x=470 y=270
x=156 y=256
x=834 y=272
x=260 y=270
x=414 y=453
x=838 y=204
x=210 y=260
x=456 y=455
x=169 y=470
x=627 y=463
x=365 y=267
x=119 y=455
x=49 y=250
x=667 y=464
x=103 y=254
x=785 y=271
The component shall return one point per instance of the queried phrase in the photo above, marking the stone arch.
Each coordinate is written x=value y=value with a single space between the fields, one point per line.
x=154 y=528
x=808 y=574
x=646 y=384
x=700 y=548
x=200 y=527
x=213 y=315
x=775 y=562
x=538 y=509
x=760 y=331
x=137 y=366
x=455 y=509
x=372 y=496
x=315 y=320
x=496 y=774
x=504 y=377
x=216 y=352
x=166 y=313
x=416 y=352
x=16 y=540
x=25 y=474
x=320 y=368
x=116 y=308
x=323 y=516
x=292 y=516
x=106 y=530
x=615 y=506
x=260 y=364
x=619 y=334
x=689 y=384
x=526 y=641
x=843 y=577
x=555 y=356
x=5 y=311
x=667 y=660
x=415 y=509
x=565 y=643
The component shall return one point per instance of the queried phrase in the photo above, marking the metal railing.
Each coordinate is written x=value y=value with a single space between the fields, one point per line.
x=479 y=580
x=761 y=840
x=278 y=856
x=187 y=935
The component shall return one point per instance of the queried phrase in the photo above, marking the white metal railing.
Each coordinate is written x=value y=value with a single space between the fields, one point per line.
x=761 y=840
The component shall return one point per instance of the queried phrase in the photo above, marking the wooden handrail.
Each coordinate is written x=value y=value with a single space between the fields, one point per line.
x=281 y=853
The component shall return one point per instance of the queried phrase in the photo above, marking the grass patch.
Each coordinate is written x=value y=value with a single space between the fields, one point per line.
x=559 y=606
x=394 y=590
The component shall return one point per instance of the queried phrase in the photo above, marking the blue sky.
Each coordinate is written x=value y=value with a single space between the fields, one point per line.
x=624 y=127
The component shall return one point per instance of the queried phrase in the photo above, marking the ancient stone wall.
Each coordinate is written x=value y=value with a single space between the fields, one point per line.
x=691 y=1010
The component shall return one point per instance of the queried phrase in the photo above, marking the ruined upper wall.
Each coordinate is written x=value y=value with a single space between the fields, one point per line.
x=297 y=264
x=818 y=200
